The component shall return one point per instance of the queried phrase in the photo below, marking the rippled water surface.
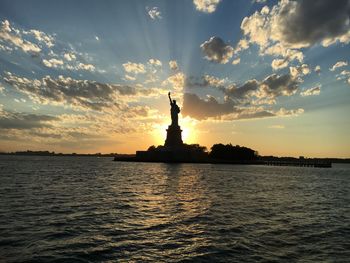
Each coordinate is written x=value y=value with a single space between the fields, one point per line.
x=72 y=209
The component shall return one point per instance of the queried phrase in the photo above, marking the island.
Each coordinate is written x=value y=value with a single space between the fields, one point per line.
x=175 y=150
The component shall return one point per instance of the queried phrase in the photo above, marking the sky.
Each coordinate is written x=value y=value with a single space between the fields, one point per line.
x=93 y=76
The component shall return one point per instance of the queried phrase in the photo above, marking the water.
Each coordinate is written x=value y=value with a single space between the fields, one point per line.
x=72 y=209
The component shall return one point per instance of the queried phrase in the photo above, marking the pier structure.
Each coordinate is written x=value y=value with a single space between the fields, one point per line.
x=301 y=163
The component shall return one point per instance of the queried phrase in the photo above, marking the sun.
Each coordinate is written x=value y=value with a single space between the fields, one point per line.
x=189 y=130
x=188 y=127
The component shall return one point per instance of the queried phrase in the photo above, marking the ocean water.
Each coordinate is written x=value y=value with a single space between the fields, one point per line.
x=87 y=209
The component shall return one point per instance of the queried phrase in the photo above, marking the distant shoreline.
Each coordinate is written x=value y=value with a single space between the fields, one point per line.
x=132 y=156
x=47 y=153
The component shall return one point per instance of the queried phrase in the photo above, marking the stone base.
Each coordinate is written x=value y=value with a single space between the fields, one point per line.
x=172 y=154
x=173 y=137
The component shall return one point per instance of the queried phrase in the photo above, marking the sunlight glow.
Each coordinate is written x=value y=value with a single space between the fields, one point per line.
x=188 y=126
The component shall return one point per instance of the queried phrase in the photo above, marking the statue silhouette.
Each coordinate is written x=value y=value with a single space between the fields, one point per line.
x=174 y=112
x=173 y=136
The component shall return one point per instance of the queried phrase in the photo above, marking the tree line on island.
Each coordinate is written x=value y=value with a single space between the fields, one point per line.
x=220 y=151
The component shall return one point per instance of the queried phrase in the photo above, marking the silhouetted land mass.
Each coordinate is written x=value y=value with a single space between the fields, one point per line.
x=48 y=153
x=226 y=154
x=219 y=153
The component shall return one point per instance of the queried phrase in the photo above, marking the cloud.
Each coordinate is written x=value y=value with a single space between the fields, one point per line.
x=279 y=64
x=88 y=67
x=311 y=91
x=33 y=41
x=277 y=126
x=344 y=75
x=177 y=81
x=52 y=63
x=243 y=91
x=79 y=66
x=19 y=100
x=155 y=62
x=58 y=63
x=135 y=68
x=339 y=64
x=213 y=81
x=42 y=37
x=299 y=24
x=200 y=109
x=83 y=95
x=17 y=120
x=275 y=85
x=72 y=130
x=280 y=50
x=173 y=65
x=318 y=69
x=305 y=23
x=152 y=67
x=291 y=25
x=241 y=45
x=206 y=6
x=252 y=92
x=128 y=77
x=14 y=37
x=154 y=13
x=300 y=70
x=236 y=61
x=204 y=81
x=258 y=112
x=216 y=50
x=5 y=48
x=262 y=92
x=69 y=56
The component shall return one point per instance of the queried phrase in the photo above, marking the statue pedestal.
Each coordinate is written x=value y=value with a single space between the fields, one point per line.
x=173 y=137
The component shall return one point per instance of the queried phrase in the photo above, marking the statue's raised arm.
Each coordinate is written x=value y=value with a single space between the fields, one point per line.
x=171 y=102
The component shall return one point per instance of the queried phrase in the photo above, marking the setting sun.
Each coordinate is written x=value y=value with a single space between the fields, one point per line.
x=188 y=126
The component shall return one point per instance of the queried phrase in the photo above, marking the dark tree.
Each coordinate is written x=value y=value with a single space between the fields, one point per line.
x=234 y=153
x=151 y=148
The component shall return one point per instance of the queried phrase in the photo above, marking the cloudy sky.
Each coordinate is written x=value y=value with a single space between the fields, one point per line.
x=93 y=76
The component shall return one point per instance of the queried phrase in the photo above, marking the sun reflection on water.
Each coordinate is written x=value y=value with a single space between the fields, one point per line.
x=169 y=204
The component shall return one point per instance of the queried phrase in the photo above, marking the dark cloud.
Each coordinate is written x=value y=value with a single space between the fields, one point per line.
x=83 y=94
x=200 y=109
x=21 y=121
x=256 y=115
x=217 y=50
x=240 y=92
x=276 y=85
x=312 y=21
x=249 y=100
x=272 y=86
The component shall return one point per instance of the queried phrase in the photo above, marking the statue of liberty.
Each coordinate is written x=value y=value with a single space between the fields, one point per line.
x=174 y=111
